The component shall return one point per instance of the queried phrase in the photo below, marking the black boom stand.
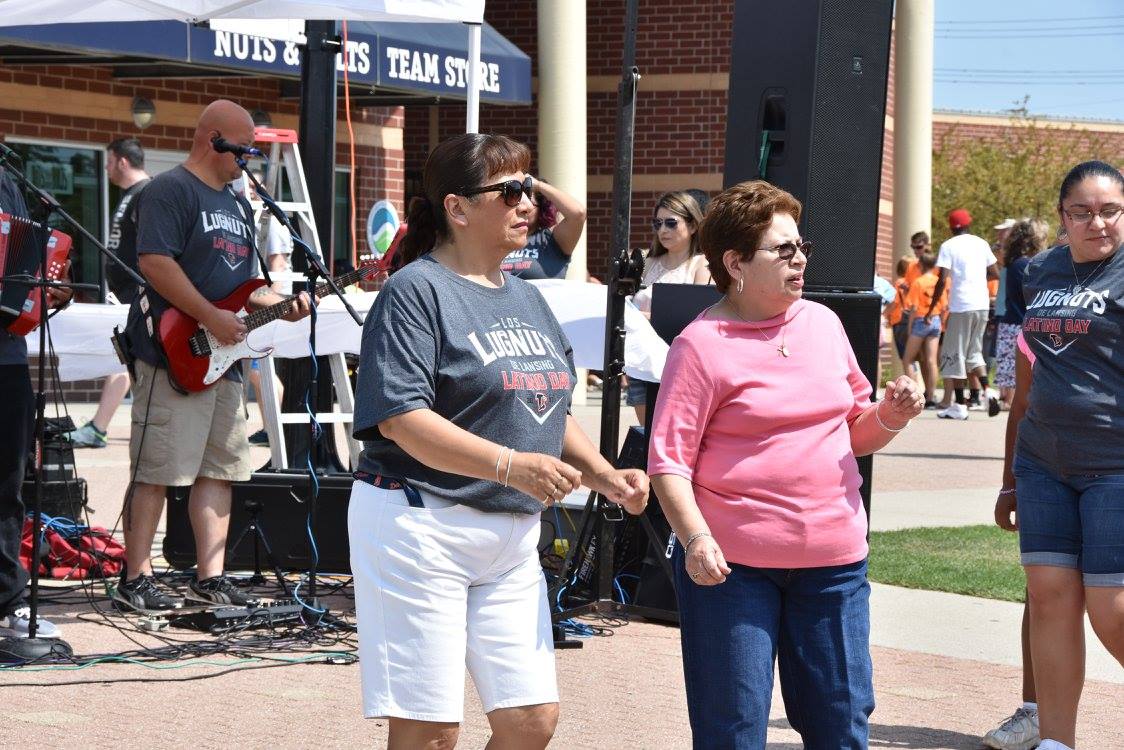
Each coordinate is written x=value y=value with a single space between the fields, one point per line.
x=596 y=541
x=19 y=650
x=315 y=270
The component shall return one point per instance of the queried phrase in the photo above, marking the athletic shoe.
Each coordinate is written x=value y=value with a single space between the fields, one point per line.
x=17 y=623
x=261 y=437
x=977 y=406
x=932 y=405
x=143 y=595
x=87 y=436
x=956 y=411
x=1019 y=731
x=218 y=590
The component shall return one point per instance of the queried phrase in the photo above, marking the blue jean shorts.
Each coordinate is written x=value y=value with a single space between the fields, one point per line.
x=1072 y=522
x=637 y=393
x=929 y=330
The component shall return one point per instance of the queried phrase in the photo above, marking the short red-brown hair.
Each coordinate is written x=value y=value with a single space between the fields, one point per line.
x=737 y=218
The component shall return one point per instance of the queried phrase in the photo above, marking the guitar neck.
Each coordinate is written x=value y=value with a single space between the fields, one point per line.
x=258 y=318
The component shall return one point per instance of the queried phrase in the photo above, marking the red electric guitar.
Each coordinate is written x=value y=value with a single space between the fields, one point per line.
x=195 y=357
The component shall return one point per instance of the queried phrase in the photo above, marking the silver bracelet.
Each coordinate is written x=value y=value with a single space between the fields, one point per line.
x=882 y=424
x=507 y=474
x=695 y=536
x=1010 y=491
x=499 y=458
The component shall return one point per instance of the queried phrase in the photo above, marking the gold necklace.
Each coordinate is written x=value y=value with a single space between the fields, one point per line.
x=782 y=349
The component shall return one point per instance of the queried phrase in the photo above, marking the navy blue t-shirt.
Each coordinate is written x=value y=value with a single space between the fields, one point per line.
x=1015 y=301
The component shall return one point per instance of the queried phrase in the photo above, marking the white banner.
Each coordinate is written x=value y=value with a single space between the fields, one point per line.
x=81 y=333
x=35 y=12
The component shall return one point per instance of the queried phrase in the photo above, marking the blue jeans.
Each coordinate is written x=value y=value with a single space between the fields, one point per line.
x=1073 y=521
x=815 y=622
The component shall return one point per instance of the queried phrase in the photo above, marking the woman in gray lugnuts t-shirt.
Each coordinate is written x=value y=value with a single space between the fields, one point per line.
x=463 y=403
x=1064 y=475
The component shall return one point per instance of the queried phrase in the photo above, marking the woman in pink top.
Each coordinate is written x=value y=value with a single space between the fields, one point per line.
x=761 y=412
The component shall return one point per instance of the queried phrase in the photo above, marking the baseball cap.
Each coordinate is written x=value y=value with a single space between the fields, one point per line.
x=958 y=218
x=1006 y=224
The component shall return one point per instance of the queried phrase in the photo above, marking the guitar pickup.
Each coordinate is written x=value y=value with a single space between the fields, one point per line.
x=199 y=345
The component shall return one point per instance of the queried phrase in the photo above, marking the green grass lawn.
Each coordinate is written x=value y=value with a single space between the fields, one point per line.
x=973 y=560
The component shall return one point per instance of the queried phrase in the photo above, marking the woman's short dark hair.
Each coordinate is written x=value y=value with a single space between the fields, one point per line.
x=457 y=164
x=1084 y=171
x=682 y=204
x=1027 y=237
x=737 y=218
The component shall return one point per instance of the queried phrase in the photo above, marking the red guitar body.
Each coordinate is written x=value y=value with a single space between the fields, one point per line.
x=189 y=369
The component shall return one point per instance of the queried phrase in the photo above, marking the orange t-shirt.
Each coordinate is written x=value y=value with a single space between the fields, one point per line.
x=894 y=311
x=920 y=295
x=992 y=288
x=912 y=273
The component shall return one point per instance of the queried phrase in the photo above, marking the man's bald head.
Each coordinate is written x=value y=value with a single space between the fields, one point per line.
x=222 y=118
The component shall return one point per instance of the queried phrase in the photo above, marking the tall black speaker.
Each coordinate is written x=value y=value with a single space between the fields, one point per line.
x=807 y=105
x=676 y=305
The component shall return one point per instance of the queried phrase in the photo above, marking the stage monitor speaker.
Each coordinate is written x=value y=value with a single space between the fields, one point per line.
x=674 y=306
x=808 y=78
x=283 y=519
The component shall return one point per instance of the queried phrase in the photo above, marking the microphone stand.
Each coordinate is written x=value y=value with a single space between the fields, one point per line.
x=315 y=269
x=33 y=648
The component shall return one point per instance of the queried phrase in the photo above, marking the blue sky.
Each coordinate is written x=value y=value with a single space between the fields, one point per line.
x=1068 y=57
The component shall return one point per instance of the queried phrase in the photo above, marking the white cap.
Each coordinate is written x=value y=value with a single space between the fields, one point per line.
x=1006 y=224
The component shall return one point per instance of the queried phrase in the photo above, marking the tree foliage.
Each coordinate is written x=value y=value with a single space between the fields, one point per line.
x=1011 y=172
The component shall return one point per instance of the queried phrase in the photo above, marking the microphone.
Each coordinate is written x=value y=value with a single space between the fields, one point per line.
x=224 y=146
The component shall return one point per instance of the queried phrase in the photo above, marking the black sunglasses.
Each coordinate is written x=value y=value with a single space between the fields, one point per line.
x=513 y=190
x=787 y=250
x=670 y=223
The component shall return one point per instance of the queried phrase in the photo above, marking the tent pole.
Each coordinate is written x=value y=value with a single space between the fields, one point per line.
x=472 y=123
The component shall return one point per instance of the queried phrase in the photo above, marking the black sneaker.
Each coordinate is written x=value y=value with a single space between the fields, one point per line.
x=261 y=437
x=143 y=595
x=218 y=590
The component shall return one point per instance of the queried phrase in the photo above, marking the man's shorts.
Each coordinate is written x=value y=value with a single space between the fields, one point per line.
x=1071 y=522
x=177 y=438
x=962 y=348
x=440 y=588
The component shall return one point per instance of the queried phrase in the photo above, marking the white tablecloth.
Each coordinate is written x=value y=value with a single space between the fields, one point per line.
x=81 y=333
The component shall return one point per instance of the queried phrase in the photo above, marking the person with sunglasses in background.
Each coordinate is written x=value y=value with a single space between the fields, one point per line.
x=761 y=412
x=463 y=404
x=674 y=258
x=1063 y=467
x=550 y=240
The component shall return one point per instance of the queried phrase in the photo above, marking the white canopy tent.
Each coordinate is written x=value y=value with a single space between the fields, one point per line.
x=469 y=12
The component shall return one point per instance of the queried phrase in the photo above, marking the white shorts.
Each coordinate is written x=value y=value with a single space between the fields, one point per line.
x=439 y=588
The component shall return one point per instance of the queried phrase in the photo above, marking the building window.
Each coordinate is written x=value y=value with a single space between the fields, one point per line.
x=75 y=176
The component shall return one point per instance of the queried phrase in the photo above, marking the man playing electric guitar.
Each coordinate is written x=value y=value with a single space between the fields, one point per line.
x=195 y=244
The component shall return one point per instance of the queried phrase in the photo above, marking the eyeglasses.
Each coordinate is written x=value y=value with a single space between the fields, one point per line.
x=671 y=223
x=919 y=245
x=513 y=190
x=1108 y=214
x=787 y=250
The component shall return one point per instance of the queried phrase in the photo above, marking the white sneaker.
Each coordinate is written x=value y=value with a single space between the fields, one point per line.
x=956 y=411
x=1019 y=731
x=17 y=623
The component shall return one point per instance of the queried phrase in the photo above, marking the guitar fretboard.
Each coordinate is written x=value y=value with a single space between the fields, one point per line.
x=258 y=318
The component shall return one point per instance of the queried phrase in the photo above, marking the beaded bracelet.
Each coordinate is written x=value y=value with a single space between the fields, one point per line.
x=1010 y=491
x=882 y=424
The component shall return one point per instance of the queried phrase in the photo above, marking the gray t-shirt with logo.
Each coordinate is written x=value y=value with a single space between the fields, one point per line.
x=494 y=362
x=542 y=258
x=209 y=232
x=1074 y=422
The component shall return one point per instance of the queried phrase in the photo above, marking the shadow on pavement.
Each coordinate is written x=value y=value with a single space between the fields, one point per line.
x=897 y=735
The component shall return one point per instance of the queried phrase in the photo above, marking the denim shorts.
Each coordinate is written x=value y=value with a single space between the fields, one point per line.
x=637 y=393
x=929 y=330
x=1072 y=522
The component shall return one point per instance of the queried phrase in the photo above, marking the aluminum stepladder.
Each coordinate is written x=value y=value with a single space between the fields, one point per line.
x=283 y=157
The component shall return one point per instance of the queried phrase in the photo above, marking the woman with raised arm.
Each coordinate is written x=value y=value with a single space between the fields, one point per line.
x=550 y=240
x=463 y=404
x=761 y=412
